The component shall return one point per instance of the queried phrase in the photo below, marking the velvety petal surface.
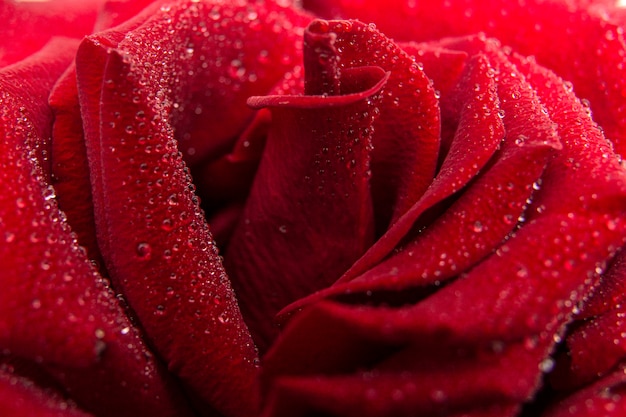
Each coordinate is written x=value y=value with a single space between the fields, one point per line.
x=56 y=310
x=27 y=26
x=137 y=92
x=595 y=344
x=479 y=133
x=70 y=170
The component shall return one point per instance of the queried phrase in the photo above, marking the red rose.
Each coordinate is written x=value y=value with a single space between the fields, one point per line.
x=430 y=225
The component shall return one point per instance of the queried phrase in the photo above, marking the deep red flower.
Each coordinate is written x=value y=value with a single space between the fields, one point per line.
x=236 y=208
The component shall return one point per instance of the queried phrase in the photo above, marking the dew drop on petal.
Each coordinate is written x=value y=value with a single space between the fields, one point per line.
x=144 y=250
x=546 y=365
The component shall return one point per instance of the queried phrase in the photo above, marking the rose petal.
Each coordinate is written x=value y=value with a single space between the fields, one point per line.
x=406 y=135
x=586 y=175
x=56 y=310
x=519 y=297
x=224 y=184
x=238 y=50
x=333 y=362
x=480 y=135
x=116 y=12
x=26 y=122
x=27 y=26
x=474 y=144
x=70 y=172
x=314 y=168
x=152 y=233
x=610 y=293
x=230 y=177
x=597 y=346
x=19 y=397
x=584 y=46
x=444 y=67
x=470 y=226
x=605 y=397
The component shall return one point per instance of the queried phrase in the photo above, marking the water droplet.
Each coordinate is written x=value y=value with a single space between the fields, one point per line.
x=522 y=272
x=160 y=310
x=438 y=396
x=611 y=224
x=546 y=365
x=9 y=237
x=521 y=139
x=144 y=250
x=172 y=200
x=477 y=227
x=49 y=193
x=167 y=225
x=223 y=318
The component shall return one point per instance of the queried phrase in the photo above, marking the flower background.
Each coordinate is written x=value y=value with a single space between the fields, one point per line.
x=236 y=208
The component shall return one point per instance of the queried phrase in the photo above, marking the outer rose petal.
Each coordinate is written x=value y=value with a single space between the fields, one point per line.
x=372 y=370
x=596 y=343
x=70 y=171
x=136 y=91
x=584 y=48
x=55 y=309
x=211 y=78
x=27 y=26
